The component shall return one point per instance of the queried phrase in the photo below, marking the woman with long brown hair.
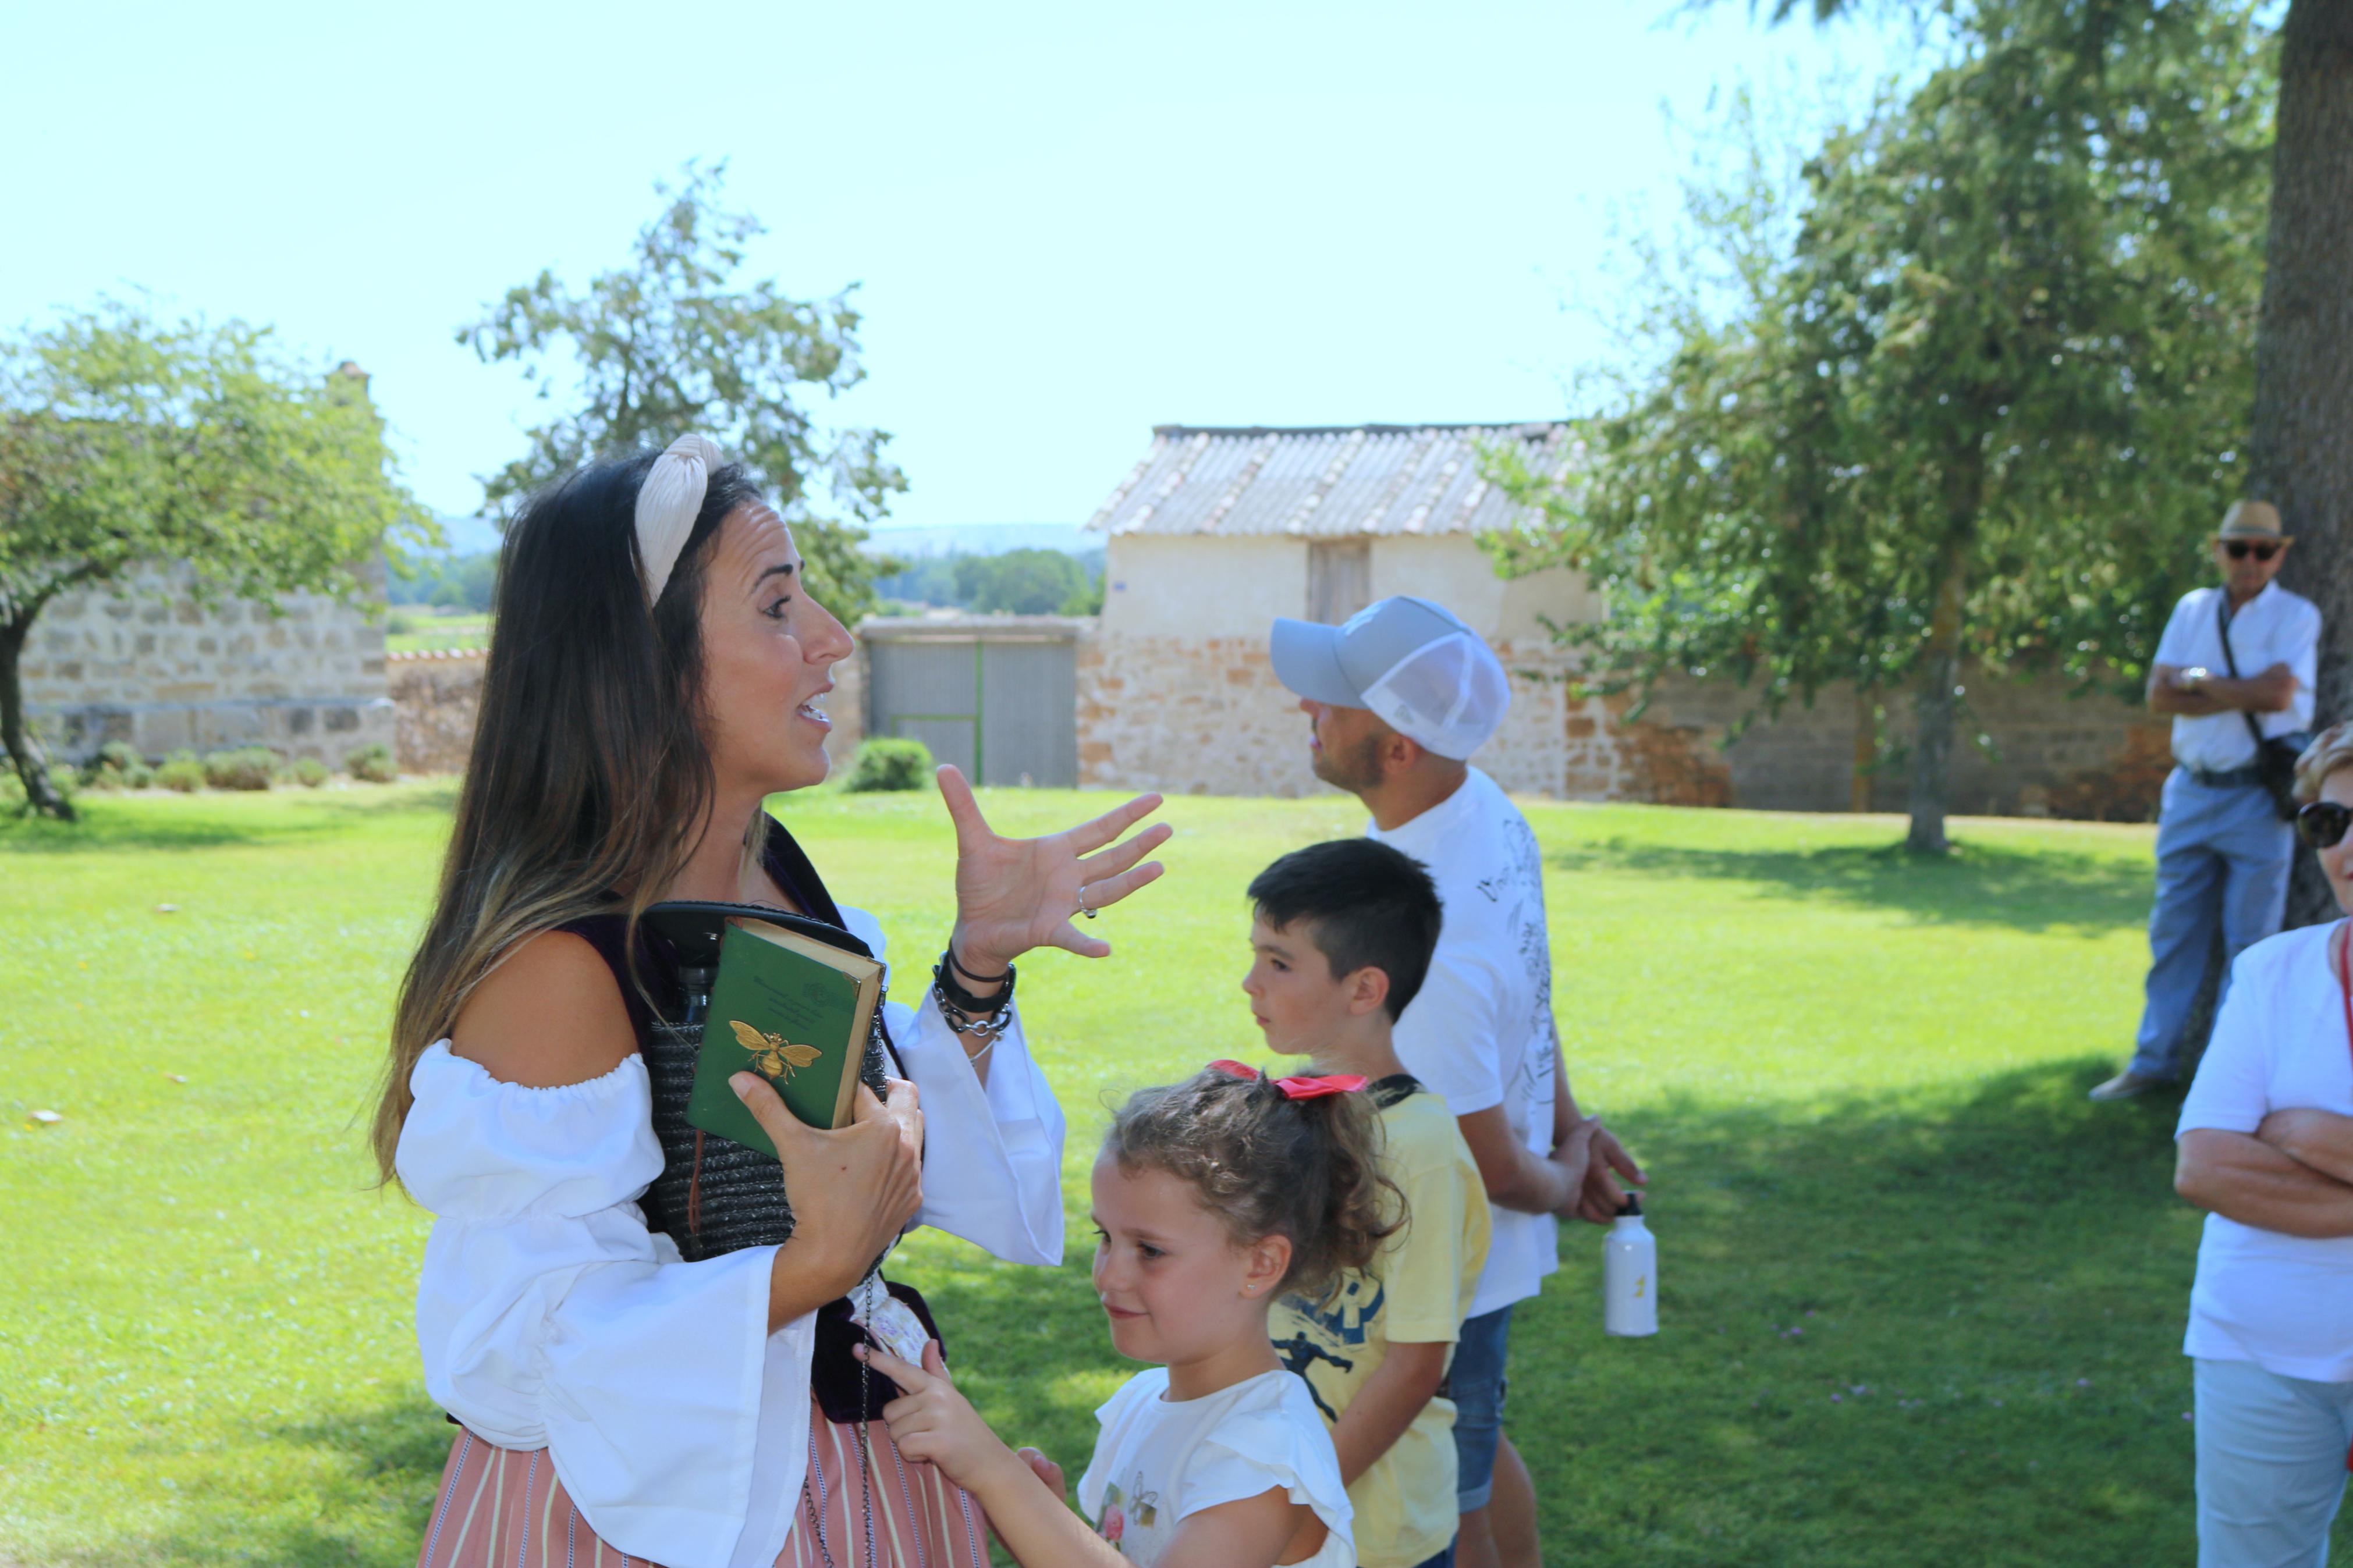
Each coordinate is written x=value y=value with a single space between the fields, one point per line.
x=656 y=673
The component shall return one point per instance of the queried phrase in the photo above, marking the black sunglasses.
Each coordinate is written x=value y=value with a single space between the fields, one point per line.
x=2240 y=550
x=2322 y=824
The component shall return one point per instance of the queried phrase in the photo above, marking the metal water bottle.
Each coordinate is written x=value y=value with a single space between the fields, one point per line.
x=1629 y=1274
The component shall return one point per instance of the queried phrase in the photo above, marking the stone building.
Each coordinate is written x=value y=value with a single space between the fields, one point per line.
x=147 y=663
x=1218 y=531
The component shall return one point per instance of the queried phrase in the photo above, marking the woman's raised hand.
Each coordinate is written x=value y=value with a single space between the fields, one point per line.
x=1016 y=894
x=852 y=1190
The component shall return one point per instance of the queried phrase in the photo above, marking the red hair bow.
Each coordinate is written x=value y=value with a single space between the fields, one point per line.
x=1295 y=1087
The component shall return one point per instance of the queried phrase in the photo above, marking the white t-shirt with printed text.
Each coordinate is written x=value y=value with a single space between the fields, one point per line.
x=1480 y=1032
x=1158 y=1460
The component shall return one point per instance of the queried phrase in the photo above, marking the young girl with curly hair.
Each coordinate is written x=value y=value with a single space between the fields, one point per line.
x=1212 y=1198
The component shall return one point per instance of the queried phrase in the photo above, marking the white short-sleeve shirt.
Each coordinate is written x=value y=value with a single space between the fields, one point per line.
x=2285 y=1302
x=1480 y=1031
x=1158 y=1460
x=2275 y=626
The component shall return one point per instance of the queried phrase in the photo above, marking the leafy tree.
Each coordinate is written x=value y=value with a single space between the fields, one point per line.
x=671 y=343
x=1974 y=393
x=1019 y=582
x=2301 y=447
x=456 y=581
x=125 y=442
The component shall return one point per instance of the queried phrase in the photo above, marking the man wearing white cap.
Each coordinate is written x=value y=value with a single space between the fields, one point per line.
x=1397 y=699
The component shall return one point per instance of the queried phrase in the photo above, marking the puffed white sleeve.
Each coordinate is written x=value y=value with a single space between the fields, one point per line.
x=993 y=1150
x=547 y=1315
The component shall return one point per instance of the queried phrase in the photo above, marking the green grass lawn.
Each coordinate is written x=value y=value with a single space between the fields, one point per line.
x=1921 y=1303
x=429 y=630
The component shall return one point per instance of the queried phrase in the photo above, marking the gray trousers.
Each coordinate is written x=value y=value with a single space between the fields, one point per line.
x=2271 y=1466
x=2222 y=860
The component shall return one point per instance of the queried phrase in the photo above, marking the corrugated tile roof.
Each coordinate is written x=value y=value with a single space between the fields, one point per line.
x=1332 y=481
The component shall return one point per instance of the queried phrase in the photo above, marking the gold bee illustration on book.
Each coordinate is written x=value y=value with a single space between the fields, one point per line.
x=772 y=1056
x=777 y=988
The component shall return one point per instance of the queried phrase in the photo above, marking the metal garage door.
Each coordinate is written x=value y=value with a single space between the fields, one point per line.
x=1005 y=711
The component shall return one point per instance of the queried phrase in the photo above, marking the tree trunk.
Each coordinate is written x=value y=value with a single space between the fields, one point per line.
x=2302 y=458
x=23 y=747
x=1940 y=667
x=1866 y=748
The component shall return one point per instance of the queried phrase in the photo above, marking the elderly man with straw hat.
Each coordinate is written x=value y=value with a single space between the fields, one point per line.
x=2235 y=670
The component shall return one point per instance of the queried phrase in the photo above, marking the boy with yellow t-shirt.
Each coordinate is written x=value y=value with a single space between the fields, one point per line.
x=1340 y=939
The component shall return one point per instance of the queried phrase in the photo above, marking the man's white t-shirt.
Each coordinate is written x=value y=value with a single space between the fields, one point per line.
x=1480 y=1032
x=1160 y=1460
x=2275 y=626
x=2285 y=1302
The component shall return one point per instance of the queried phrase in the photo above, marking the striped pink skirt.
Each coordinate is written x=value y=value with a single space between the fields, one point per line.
x=503 y=1507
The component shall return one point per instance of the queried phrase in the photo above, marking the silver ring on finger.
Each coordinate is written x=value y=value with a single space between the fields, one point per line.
x=1083 y=908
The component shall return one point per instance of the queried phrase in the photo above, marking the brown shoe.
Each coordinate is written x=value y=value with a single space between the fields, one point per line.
x=2128 y=1085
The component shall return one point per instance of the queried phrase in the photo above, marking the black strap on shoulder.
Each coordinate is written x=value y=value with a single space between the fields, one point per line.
x=2231 y=662
x=1396 y=1088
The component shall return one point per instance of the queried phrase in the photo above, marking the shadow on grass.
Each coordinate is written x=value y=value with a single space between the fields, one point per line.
x=1939 y=1327
x=1979 y=884
x=199 y=823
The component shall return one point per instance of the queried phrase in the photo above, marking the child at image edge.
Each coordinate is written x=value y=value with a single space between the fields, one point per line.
x=1343 y=937
x=1212 y=1197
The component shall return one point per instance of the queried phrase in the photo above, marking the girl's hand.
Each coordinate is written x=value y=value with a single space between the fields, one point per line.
x=933 y=1423
x=1016 y=894
x=853 y=1190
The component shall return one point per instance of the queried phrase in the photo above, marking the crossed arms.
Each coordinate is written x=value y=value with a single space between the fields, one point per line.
x=2293 y=1174
x=2272 y=692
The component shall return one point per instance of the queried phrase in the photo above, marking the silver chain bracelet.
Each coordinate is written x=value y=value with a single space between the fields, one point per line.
x=988 y=1027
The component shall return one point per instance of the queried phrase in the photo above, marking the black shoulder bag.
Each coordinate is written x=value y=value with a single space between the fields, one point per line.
x=2274 y=757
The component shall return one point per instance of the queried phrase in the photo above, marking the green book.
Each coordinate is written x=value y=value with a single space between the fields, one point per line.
x=796 y=1011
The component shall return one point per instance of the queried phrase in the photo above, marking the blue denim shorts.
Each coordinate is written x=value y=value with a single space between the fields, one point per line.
x=1475 y=1383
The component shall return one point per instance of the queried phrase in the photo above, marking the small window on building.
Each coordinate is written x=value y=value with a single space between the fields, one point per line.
x=1339 y=578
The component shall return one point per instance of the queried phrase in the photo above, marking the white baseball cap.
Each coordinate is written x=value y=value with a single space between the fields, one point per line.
x=1431 y=677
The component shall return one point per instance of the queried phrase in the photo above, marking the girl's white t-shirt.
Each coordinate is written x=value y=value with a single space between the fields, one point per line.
x=2285 y=1302
x=1158 y=1460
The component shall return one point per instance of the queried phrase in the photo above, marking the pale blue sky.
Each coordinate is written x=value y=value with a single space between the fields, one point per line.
x=1070 y=222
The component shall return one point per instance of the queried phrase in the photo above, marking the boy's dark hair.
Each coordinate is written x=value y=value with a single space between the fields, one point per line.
x=1363 y=904
x=1267 y=1165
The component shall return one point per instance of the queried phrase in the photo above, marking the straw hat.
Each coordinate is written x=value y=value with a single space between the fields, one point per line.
x=2252 y=520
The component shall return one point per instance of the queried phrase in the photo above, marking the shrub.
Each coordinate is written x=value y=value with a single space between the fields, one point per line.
x=309 y=772
x=398 y=625
x=12 y=789
x=884 y=763
x=182 y=771
x=372 y=763
x=245 y=767
x=118 y=765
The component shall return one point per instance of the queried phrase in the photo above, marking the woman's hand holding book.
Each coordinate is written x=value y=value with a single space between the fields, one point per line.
x=853 y=1191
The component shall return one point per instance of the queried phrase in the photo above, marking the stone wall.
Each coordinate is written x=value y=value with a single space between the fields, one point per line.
x=149 y=666
x=436 y=696
x=1206 y=716
x=2035 y=747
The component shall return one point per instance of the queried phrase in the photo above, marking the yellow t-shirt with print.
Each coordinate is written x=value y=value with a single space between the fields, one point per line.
x=1416 y=1292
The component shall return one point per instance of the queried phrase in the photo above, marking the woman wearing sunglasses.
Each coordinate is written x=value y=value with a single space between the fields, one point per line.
x=2266 y=1145
x=2234 y=669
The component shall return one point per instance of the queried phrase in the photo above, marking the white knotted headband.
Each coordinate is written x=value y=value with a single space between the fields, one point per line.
x=667 y=503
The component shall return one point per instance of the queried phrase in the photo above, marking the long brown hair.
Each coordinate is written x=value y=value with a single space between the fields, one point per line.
x=589 y=774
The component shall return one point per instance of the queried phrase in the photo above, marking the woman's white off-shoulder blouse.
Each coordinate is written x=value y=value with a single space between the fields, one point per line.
x=550 y=1316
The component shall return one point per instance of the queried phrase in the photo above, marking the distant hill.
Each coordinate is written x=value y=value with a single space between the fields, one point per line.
x=981 y=539
x=475 y=535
